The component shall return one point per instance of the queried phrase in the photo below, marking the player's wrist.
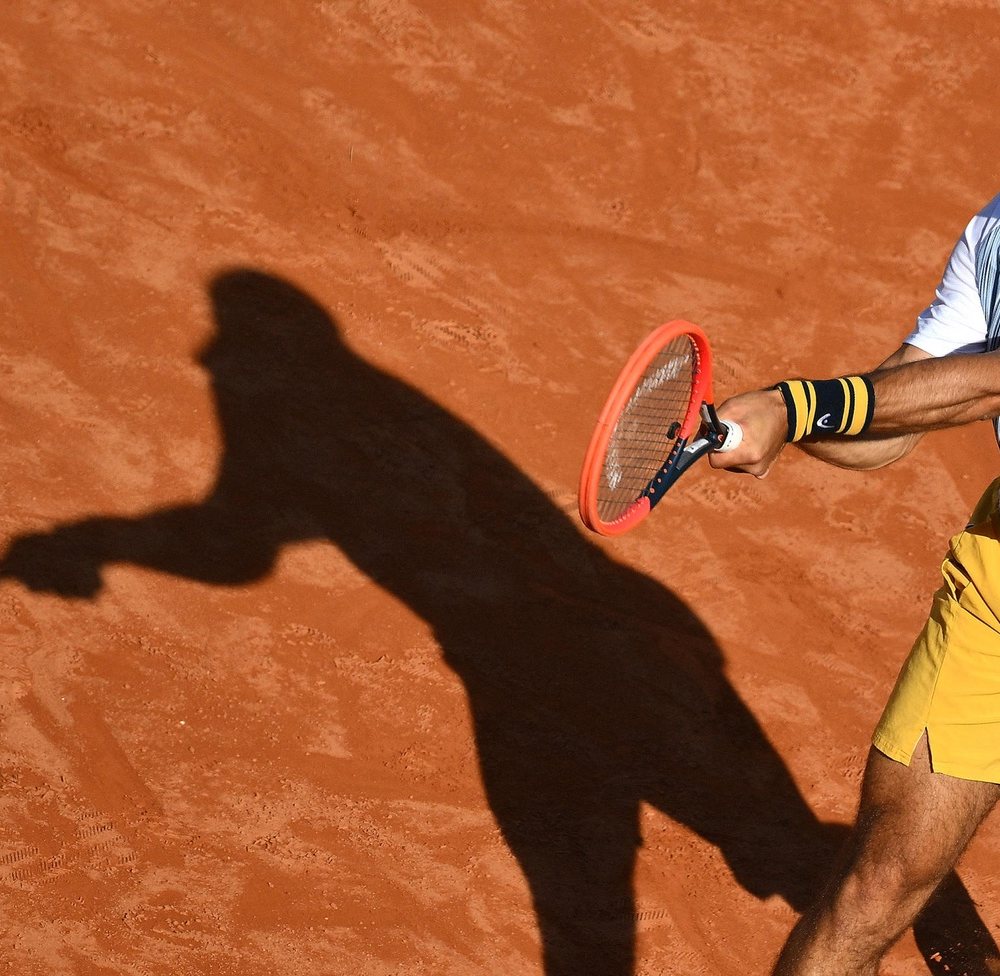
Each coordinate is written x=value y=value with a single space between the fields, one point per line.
x=827 y=408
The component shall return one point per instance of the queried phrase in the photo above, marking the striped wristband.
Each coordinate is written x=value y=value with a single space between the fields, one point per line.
x=827 y=408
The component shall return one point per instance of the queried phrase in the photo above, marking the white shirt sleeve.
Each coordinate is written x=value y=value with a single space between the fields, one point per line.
x=954 y=322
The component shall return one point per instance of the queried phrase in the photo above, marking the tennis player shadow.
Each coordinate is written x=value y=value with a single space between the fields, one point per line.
x=593 y=689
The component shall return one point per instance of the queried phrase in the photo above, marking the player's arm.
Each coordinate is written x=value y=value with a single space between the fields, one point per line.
x=869 y=421
x=909 y=398
x=871 y=452
x=916 y=397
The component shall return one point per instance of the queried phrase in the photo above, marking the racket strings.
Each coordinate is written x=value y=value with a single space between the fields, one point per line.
x=648 y=427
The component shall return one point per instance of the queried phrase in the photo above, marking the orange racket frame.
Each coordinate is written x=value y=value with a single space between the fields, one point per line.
x=700 y=413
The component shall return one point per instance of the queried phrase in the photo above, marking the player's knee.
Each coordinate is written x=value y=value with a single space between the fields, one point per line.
x=880 y=888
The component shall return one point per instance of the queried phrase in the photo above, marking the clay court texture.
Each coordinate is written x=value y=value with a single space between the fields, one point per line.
x=308 y=665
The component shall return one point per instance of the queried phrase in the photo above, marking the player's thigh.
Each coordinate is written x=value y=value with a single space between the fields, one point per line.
x=913 y=823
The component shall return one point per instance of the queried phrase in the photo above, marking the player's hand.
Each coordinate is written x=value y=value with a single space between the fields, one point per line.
x=764 y=420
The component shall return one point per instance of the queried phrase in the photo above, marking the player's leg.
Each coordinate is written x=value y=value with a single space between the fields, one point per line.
x=913 y=825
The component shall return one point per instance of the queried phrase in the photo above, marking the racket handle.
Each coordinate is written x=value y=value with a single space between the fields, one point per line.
x=733 y=438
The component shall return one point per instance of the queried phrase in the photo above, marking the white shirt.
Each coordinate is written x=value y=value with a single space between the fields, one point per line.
x=965 y=314
x=955 y=322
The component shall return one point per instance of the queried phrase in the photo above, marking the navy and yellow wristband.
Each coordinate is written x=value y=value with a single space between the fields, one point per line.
x=828 y=408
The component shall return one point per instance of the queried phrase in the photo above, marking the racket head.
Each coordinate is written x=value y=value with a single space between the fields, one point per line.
x=652 y=410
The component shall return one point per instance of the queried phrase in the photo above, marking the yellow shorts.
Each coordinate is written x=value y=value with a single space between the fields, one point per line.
x=950 y=683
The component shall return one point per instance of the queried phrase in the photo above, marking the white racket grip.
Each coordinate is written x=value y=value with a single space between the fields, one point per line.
x=734 y=436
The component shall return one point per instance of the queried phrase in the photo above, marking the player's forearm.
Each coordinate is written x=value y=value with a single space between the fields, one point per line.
x=861 y=455
x=935 y=393
x=911 y=399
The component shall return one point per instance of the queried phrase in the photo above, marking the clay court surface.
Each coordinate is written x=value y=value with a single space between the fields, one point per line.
x=308 y=665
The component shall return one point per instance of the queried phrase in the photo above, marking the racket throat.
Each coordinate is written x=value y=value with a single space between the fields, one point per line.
x=711 y=436
x=714 y=429
x=681 y=458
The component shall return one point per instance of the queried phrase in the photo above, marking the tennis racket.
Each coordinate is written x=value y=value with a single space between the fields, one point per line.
x=658 y=420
